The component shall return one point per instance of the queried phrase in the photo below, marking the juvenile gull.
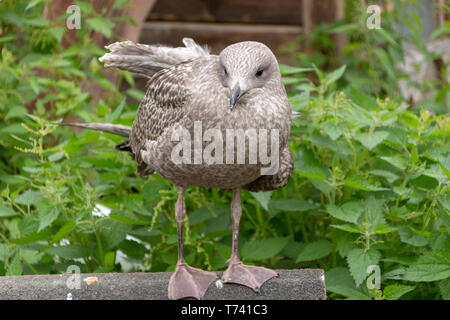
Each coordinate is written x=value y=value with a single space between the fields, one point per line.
x=191 y=90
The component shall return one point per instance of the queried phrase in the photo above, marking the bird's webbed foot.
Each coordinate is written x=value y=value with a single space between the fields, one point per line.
x=249 y=276
x=189 y=282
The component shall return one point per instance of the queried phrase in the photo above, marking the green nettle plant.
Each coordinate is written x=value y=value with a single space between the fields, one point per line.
x=369 y=200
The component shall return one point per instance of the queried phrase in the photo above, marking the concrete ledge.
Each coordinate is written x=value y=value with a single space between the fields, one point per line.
x=299 y=284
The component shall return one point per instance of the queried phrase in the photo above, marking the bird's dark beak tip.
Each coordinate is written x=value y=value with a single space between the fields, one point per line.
x=235 y=95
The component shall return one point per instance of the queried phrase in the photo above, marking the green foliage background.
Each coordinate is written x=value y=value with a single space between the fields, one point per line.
x=370 y=187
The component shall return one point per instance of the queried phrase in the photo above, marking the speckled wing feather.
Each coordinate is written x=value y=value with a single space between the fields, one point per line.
x=161 y=108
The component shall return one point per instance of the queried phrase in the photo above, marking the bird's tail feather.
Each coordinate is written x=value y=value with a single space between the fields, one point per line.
x=146 y=60
x=117 y=129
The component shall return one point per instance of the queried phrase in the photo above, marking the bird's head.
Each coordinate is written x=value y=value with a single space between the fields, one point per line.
x=244 y=66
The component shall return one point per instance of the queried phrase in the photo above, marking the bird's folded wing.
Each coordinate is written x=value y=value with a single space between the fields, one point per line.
x=163 y=105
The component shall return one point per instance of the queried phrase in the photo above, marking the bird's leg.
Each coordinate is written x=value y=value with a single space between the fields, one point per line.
x=186 y=281
x=238 y=272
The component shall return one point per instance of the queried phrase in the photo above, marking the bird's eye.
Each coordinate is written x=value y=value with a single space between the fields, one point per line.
x=225 y=71
x=259 y=73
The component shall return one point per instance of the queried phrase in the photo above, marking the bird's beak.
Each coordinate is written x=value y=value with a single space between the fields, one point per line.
x=236 y=94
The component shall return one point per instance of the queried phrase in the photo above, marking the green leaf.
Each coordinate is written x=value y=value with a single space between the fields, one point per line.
x=334 y=130
x=388 y=175
x=349 y=212
x=371 y=140
x=29 y=197
x=47 y=216
x=133 y=249
x=263 y=249
x=395 y=291
x=32 y=237
x=65 y=230
x=56 y=156
x=408 y=236
x=358 y=182
x=444 y=287
x=432 y=266
x=127 y=218
x=69 y=251
x=285 y=69
x=373 y=212
x=396 y=161
x=306 y=165
x=347 y=227
x=291 y=205
x=339 y=281
x=33 y=3
x=263 y=198
x=151 y=190
x=15 y=267
x=335 y=75
x=57 y=33
x=385 y=62
x=362 y=100
x=115 y=115
x=359 y=260
x=4 y=252
x=293 y=249
x=7 y=212
x=102 y=25
x=315 y=250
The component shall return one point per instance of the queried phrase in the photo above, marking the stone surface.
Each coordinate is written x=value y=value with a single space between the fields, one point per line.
x=299 y=284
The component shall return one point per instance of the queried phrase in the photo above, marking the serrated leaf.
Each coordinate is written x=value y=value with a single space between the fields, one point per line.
x=263 y=198
x=47 y=216
x=15 y=267
x=349 y=212
x=339 y=281
x=432 y=266
x=408 y=236
x=334 y=130
x=395 y=291
x=335 y=75
x=7 y=212
x=358 y=182
x=263 y=249
x=315 y=250
x=371 y=140
x=359 y=260
x=396 y=161
x=347 y=227
x=373 y=212
x=444 y=287
x=29 y=197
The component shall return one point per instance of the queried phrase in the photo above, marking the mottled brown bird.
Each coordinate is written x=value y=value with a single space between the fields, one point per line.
x=196 y=106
